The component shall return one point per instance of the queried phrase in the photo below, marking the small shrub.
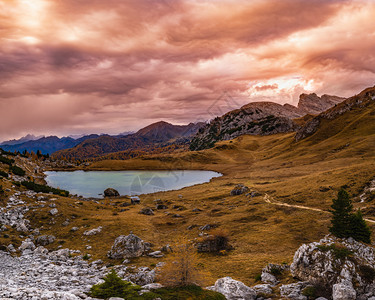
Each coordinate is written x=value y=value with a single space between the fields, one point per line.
x=114 y=286
x=86 y=256
x=258 y=277
x=3 y=174
x=17 y=170
x=310 y=292
x=275 y=271
x=367 y=273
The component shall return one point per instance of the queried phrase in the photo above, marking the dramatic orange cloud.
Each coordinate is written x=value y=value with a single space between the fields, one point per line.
x=85 y=66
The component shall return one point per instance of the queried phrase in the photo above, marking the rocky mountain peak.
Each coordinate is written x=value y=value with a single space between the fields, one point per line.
x=313 y=104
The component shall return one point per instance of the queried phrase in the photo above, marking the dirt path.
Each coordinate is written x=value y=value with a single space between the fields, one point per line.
x=268 y=199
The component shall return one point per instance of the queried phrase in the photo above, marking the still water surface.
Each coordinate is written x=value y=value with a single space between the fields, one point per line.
x=93 y=183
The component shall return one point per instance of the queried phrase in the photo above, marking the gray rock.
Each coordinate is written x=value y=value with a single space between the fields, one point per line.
x=54 y=211
x=264 y=289
x=156 y=254
x=110 y=192
x=269 y=278
x=93 y=231
x=45 y=240
x=343 y=291
x=152 y=286
x=127 y=247
x=233 y=289
x=293 y=290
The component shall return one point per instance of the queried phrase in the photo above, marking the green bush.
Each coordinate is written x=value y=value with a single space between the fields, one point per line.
x=17 y=170
x=3 y=174
x=44 y=188
x=258 y=277
x=114 y=286
x=310 y=292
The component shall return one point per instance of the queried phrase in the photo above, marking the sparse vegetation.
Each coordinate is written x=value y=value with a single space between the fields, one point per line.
x=44 y=188
x=339 y=251
x=182 y=267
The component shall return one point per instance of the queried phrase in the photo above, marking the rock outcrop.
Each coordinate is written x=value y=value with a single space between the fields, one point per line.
x=260 y=118
x=343 y=265
x=363 y=99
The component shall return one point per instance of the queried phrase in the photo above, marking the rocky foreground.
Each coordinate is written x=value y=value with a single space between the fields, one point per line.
x=338 y=269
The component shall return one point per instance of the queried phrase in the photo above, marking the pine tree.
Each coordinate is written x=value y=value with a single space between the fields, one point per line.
x=342 y=215
x=360 y=230
x=345 y=223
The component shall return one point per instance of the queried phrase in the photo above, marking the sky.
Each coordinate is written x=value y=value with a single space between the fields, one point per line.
x=94 y=66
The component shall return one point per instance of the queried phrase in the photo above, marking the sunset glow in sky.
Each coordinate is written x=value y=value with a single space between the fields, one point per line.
x=95 y=66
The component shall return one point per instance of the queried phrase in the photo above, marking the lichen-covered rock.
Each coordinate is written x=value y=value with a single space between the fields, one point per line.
x=233 y=289
x=338 y=264
x=110 y=192
x=128 y=246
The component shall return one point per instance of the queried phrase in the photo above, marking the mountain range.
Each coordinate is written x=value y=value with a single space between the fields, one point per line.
x=262 y=118
x=257 y=118
x=159 y=134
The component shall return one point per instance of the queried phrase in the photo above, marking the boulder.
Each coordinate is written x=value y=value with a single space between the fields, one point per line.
x=147 y=211
x=233 y=289
x=110 y=192
x=54 y=211
x=239 y=190
x=45 y=240
x=93 y=231
x=343 y=265
x=128 y=246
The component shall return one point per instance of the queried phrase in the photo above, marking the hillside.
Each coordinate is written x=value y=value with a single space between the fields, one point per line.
x=261 y=118
x=154 y=136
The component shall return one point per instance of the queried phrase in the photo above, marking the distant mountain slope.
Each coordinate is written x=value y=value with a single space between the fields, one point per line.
x=323 y=122
x=48 y=144
x=157 y=134
x=260 y=118
x=26 y=138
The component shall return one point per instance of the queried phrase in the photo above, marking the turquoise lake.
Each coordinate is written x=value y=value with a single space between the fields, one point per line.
x=93 y=183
